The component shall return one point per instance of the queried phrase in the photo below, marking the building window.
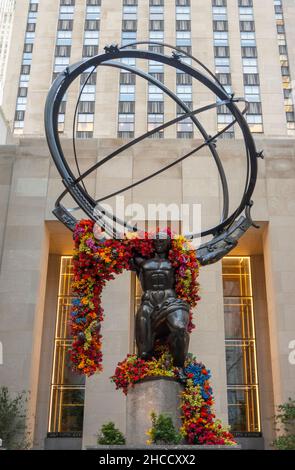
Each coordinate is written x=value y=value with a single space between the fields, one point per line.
x=126 y=126
x=285 y=71
x=24 y=78
x=126 y=109
x=222 y=63
x=67 y=388
x=250 y=64
x=240 y=345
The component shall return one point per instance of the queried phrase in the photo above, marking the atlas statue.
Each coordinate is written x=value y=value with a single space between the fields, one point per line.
x=161 y=315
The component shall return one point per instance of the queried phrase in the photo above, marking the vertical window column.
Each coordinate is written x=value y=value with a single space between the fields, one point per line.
x=250 y=65
x=63 y=48
x=240 y=345
x=222 y=62
x=67 y=388
x=285 y=69
x=86 y=109
x=126 y=112
x=183 y=81
x=155 y=106
x=21 y=102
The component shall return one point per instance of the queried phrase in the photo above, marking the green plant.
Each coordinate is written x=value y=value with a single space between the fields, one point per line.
x=285 y=424
x=110 y=435
x=163 y=430
x=13 y=427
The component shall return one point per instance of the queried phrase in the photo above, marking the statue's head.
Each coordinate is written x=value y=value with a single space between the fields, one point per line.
x=162 y=242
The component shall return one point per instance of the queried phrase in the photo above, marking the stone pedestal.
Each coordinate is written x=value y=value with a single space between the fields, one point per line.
x=161 y=395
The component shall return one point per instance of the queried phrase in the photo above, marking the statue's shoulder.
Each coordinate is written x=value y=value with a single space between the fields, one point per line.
x=149 y=264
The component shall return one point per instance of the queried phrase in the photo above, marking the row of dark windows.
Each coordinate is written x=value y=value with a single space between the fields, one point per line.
x=28 y=47
x=62 y=51
x=247 y=51
x=67 y=2
x=183 y=25
x=222 y=25
x=278 y=9
x=86 y=107
x=158 y=76
x=247 y=26
x=91 y=80
x=156 y=48
x=127 y=79
x=129 y=25
x=179 y=109
x=62 y=108
x=281 y=28
x=253 y=108
x=89 y=51
x=92 y=25
x=19 y=116
x=186 y=49
x=34 y=7
x=245 y=3
x=25 y=70
x=153 y=107
x=156 y=25
x=65 y=25
x=183 y=79
x=249 y=78
x=223 y=3
x=126 y=107
x=31 y=27
x=154 y=3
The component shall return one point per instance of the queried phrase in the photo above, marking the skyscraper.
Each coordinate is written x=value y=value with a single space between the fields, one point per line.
x=6 y=17
x=249 y=45
x=246 y=327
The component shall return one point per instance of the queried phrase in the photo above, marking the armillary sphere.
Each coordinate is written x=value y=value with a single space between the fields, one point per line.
x=224 y=235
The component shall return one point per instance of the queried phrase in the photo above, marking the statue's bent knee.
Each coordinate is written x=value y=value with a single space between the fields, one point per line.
x=178 y=320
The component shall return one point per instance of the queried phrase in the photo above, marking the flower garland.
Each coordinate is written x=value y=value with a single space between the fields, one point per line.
x=97 y=260
x=133 y=369
x=199 y=425
x=186 y=265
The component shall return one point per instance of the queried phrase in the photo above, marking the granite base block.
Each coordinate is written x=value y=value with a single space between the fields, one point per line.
x=159 y=395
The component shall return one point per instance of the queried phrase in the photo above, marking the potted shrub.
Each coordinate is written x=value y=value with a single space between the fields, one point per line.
x=110 y=435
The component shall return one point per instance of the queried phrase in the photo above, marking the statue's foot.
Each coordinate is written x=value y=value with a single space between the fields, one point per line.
x=145 y=356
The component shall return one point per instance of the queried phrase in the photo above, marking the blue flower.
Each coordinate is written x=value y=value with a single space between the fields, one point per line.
x=196 y=369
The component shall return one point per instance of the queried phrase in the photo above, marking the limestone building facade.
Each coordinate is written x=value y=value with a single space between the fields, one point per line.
x=245 y=321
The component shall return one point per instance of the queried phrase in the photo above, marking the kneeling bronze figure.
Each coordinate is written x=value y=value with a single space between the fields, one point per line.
x=161 y=315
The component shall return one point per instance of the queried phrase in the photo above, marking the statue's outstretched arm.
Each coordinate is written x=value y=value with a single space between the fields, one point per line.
x=135 y=263
x=222 y=244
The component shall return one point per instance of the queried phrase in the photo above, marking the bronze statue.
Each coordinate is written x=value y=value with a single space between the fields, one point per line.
x=161 y=315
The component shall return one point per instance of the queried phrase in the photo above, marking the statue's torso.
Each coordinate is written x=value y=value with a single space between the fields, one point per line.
x=157 y=275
